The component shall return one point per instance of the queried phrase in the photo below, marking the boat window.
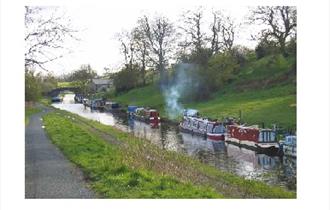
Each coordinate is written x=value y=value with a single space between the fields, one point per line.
x=289 y=140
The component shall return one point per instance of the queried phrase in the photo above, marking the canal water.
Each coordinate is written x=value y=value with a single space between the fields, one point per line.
x=274 y=170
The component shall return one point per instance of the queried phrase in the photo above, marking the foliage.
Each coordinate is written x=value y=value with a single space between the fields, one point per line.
x=127 y=79
x=32 y=86
x=265 y=48
x=220 y=70
x=37 y=84
x=264 y=90
x=280 y=21
x=83 y=77
x=48 y=82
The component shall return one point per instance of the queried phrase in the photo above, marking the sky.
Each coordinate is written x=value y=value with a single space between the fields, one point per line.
x=98 y=25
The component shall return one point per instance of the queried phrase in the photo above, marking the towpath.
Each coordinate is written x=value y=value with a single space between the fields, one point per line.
x=48 y=174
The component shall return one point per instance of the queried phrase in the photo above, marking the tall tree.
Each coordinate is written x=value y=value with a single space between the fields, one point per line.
x=45 y=33
x=192 y=26
x=223 y=32
x=281 y=22
x=83 y=76
x=142 y=50
x=160 y=35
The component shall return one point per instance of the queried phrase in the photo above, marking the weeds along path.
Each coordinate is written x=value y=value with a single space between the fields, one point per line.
x=141 y=154
x=48 y=173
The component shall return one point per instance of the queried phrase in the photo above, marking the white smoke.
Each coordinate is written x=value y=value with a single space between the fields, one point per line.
x=181 y=84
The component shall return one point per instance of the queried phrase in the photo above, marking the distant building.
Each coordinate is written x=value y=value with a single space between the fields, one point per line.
x=98 y=85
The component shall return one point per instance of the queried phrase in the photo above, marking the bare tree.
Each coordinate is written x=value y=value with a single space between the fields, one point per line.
x=126 y=40
x=223 y=32
x=160 y=34
x=45 y=33
x=192 y=23
x=142 y=50
x=281 y=22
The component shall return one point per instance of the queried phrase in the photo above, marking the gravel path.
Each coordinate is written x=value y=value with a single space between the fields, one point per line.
x=48 y=174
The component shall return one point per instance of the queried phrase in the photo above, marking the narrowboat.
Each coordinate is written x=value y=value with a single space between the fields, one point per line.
x=252 y=137
x=193 y=125
x=147 y=115
x=131 y=110
x=289 y=146
x=111 y=106
x=95 y=104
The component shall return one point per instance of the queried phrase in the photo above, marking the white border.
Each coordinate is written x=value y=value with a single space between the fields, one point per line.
x=312 y=118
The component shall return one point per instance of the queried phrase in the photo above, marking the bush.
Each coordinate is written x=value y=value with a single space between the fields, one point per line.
x=220 y=70
x=32 y=86
x=127 y=79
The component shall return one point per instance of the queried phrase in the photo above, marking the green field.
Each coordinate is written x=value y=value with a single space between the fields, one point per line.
x=264 y=91
x=66 y=84
x=119 y=165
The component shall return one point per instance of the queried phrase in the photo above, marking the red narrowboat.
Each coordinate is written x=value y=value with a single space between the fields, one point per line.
x=154 y=116
x=261 y=139
x=147 y=115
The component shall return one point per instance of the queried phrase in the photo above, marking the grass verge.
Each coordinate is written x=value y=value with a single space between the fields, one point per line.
x=106 y=166
x=123 y=166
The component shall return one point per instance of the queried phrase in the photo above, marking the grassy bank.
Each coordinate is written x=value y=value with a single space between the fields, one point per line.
x=67 y=84
x=121 y=165
x=272 y=105
x=264 y=91
x=30 y=110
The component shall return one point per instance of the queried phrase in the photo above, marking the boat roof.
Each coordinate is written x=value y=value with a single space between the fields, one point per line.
x=190 y=112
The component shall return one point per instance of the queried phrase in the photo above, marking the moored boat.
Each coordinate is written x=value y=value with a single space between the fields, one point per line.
x=192 y=123
x=144 y=114
x=111 y=106
x=147 y=115
x=263 y=140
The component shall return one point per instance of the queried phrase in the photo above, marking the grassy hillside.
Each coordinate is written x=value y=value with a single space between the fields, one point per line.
x=264 y=91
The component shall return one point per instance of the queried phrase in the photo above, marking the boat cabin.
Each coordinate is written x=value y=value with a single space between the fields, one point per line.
x=131 y=109
x=215 y=127
x=254 y=134
x=290 y=140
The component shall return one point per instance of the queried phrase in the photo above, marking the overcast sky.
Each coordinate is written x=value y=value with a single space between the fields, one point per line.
x=98 y=26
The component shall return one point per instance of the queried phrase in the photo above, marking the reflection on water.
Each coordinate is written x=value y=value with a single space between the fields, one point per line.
x=247 y=163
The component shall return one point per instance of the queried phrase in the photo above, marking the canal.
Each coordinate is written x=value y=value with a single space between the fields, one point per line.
x=274 y=170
